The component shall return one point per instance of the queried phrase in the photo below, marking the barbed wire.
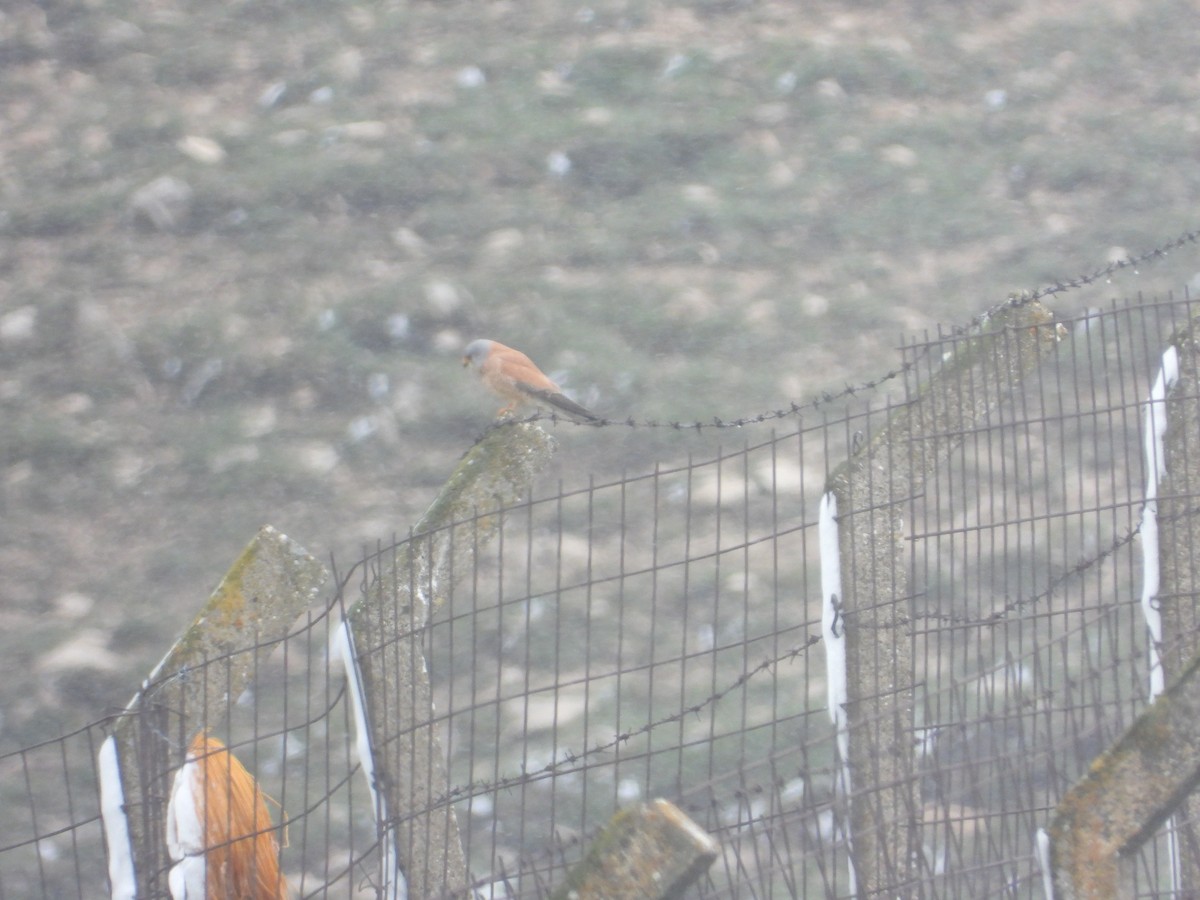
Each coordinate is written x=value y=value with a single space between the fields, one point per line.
x=571 y=758
x=1000 y=615
x=825 y=398
x=1078 y=568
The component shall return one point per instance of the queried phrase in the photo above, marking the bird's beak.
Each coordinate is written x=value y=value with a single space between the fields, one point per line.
x=466 y=361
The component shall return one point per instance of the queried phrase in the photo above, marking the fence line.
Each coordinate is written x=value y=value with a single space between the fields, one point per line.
x=651 y=636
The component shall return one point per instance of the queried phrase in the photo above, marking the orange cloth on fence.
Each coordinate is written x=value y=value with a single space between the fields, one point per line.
x=242 y=854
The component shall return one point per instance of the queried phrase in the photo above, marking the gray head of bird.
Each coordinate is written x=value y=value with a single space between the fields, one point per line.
x=476 y=352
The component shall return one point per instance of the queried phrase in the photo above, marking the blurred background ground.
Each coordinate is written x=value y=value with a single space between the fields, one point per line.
x=242 y=245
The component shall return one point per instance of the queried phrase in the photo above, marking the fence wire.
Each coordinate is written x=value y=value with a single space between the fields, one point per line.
x=658 y=636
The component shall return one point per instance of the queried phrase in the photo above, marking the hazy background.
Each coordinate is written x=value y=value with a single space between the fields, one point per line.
x=242 y=245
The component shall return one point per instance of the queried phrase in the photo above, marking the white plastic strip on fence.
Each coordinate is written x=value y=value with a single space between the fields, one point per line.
x=833 y=639
x=121 y=873
x=1156 y=469
x=394 y=887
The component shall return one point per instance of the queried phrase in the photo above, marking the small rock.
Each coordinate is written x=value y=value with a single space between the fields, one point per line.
x=501 y=245
x=348 y=65
x=75 y=404
x=276 y=346
x=290 y=137
x=303 y=399
x=201 y=149
x=318 y=457
x=73 y=605
x=165 y=202
x=780 y=174
x=86 y=650
x=18 y=326
x=814 y=305
x=128 y=468
x=448 y=340
x=121 y=34
x=700 y=194
x=558 y=164
x=675 y=64
x=691 y=304
x=200 y=378
x=442 y=297
x=272 y=94
x=1057 y=224
x=410 y=242
x=470 y=77
x=367 y=130
x=378 y=385
x=725 y=490
x=830 y=89
x=237 y=455
x=95 y=140
x=258 y=421
x=541 y=712
x=899 y=155
x=551 y=82
x=762 y=314
x=361 y=428
x=597 y=115
x=770 y=113
x=629 y=790
x=784 y=476
x=398 y=327
x=18 y=473
x=408 y=401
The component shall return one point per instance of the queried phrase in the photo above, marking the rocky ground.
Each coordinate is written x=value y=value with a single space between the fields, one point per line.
x=242 y=245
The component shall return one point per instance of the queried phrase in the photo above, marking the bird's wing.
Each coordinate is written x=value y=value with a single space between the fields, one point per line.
x=520 y=370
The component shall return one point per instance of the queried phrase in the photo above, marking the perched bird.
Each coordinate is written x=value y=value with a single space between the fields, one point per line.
x=512 y=376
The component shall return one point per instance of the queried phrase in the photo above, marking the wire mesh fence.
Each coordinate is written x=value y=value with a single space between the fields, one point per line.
x=660 y=635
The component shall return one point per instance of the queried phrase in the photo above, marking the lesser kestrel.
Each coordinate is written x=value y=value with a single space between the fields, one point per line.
x=513 y=377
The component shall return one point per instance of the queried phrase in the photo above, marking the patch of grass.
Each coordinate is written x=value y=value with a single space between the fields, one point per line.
x=59 y=213
x=616 y=74
x=52 y=443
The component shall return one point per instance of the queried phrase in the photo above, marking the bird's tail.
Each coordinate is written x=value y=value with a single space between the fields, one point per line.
x=570 y=407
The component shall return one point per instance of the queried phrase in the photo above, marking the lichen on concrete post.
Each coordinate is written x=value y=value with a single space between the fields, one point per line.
x=272 y=582
x=386 y=625
x=651 y=851
x=1127 y=793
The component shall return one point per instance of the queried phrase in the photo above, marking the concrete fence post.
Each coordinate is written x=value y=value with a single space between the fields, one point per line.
x=867 y=626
